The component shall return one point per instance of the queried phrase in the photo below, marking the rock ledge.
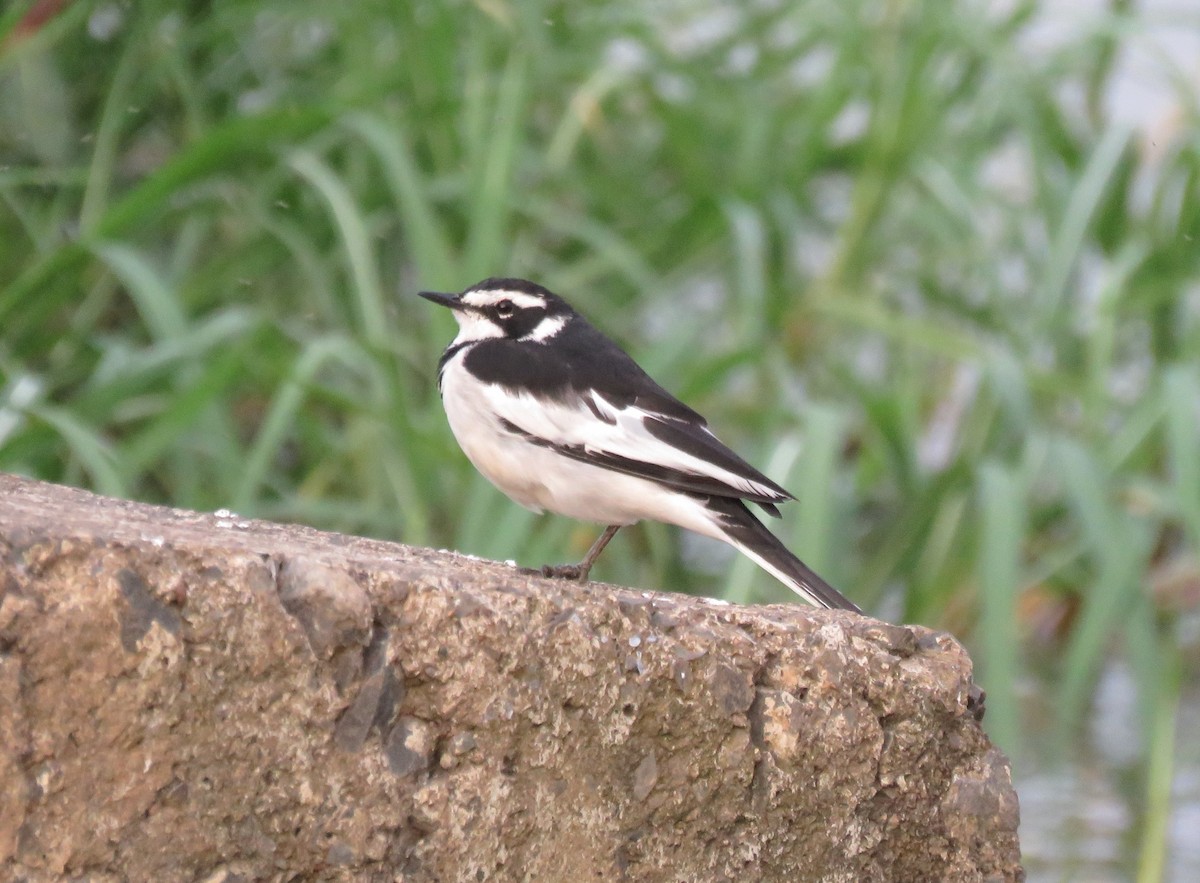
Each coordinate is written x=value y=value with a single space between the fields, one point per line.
x=202 y=697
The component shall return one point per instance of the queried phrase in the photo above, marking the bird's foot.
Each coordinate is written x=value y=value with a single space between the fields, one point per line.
x=579 y=572
x=565 y=571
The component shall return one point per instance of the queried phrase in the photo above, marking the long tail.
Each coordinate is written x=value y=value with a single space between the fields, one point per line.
x=750 y=536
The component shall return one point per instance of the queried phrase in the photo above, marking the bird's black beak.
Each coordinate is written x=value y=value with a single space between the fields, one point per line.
x=446 y=300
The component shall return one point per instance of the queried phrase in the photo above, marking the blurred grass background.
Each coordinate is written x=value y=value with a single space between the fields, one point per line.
x=905 y=255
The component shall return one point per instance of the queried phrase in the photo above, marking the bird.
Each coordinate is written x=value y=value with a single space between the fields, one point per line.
x=560 y=418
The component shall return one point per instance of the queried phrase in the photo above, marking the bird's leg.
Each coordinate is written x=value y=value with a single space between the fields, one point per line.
x=580 y=571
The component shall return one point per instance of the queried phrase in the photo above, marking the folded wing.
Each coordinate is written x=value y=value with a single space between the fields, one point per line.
x=673 y=447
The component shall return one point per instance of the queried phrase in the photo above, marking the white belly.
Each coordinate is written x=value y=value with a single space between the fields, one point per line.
x=540 y=479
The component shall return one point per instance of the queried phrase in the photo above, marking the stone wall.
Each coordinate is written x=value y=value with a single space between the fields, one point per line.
x=202 y=697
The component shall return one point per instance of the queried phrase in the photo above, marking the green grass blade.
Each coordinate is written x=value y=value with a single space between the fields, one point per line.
x=49 y=282
x=156 y=301
x=112 y=119
x=492 y=192
x=1085 y=199
x=1118 y=547
x=1181 y=404
x=1001 y=506
x=94 y=453
x=356 y=239
x=1160 y=768
x=431 y=248
x=281 y=415
x=815 y=484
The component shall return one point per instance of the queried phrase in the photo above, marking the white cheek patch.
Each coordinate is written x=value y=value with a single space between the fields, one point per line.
x=546 y=328
x=472 y=326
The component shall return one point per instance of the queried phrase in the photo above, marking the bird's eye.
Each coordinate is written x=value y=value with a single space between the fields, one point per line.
x=504 y=309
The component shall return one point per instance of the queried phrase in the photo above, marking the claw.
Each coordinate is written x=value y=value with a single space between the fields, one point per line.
x=578 y=571
x=565 y=571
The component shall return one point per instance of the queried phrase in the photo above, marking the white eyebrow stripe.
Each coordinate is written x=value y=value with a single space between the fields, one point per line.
x=519 y=299
x=547 y=328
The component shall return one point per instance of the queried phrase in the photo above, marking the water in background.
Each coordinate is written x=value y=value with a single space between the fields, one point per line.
x=1079 y=814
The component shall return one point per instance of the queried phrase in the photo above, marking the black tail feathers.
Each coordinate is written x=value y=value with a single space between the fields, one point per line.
x=751 y=536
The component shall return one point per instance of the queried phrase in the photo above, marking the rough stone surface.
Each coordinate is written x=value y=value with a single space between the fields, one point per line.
x=202 y=697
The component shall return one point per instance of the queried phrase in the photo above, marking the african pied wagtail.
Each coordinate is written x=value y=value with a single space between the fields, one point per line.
x=558 y=417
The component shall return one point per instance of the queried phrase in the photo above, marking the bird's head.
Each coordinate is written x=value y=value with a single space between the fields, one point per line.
x=505 y=308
